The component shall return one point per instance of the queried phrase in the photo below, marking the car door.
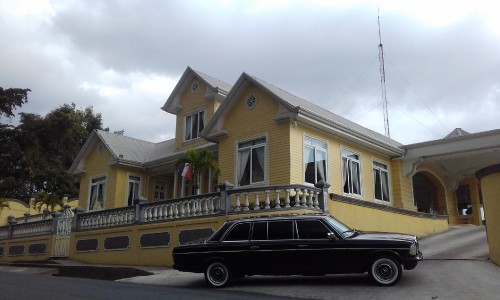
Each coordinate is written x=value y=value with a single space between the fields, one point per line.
x=273 y=247
x=319 y=250
x=235 y=248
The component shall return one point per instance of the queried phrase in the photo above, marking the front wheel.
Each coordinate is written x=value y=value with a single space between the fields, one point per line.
x=217 y=274
x=385 y=271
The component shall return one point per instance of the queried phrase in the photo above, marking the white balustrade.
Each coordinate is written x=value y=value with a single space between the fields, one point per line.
x=292 y=197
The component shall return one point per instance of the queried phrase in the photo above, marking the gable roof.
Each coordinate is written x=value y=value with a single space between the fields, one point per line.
x=456 y=132
x=299 y=109
x=124 y=150
x=216 y=89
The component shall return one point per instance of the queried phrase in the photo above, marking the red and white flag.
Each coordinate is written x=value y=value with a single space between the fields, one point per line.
x=186 y=172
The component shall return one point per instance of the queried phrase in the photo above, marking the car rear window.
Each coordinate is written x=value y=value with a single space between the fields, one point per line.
x=240 y=232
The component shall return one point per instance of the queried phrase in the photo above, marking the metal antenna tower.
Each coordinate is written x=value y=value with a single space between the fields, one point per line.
x=382 y=79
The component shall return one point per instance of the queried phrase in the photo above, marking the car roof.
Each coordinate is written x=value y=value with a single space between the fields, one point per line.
x=280 y=217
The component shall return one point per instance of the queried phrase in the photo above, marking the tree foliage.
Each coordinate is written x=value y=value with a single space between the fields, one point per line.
x=47 y=201
x=12 y=98
x=36 y=154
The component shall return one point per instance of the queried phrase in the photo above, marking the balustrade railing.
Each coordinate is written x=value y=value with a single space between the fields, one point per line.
x=34 y=218
x=201 y=205
x=33 y=228
x=4 y=232
x=106 y=218
x=227 y=201
x=274 y=198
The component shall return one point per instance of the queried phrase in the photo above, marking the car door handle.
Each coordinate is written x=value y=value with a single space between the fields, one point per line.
x=303 y=246
x=254 y=247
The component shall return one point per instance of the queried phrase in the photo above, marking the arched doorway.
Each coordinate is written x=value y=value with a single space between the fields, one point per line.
x=428 y=194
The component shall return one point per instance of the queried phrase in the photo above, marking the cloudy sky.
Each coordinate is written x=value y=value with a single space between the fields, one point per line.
x=123 y=57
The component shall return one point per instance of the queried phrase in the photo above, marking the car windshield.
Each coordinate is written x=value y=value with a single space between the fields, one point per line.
x=340 y=227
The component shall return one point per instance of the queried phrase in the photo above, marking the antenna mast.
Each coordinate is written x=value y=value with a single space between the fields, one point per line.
x=382 y=79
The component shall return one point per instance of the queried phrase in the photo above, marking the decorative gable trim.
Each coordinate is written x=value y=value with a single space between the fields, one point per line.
x=216 y=89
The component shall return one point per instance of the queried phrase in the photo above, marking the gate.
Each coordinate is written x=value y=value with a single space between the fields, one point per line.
x=62 y=231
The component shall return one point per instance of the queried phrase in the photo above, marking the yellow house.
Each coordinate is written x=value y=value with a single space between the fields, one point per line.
x=263 y=136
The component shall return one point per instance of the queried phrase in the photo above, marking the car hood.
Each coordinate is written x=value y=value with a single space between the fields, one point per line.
x=382 y=236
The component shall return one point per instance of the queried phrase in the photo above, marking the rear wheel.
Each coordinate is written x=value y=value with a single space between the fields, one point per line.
x=217 y=274
x=385 y=270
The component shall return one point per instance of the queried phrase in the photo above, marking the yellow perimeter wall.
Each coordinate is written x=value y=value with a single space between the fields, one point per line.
x=362 y=218
x=371 y=219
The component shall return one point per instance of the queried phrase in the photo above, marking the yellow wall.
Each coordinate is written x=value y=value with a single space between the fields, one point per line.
x=490 y=187
x=46 y=239
x=370 y=219
x=18 y=208
x=159 y=256
x=192 y=103
x=245 y=124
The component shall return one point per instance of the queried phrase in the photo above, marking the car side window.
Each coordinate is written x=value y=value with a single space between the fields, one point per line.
x=312 y=229
x=280 y=230
x=240 y=232
x=259 y=232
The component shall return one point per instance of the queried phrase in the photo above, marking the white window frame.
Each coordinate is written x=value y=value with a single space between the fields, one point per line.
x=188 y=132
x=96 y=181
x=346 y=176
x=136 y=180
x=240 y=148
x=382 y=167
x=316 y=146
x=158 y=183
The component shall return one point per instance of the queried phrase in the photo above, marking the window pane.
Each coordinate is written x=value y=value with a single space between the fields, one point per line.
x=320 y=166
x=201 y=121
x=187 y=131
x=378 y=184
x=259 y=231
x=280 y=230
x=309 y=165
x=258 y=165
x=312 y=230
x=385 y=186
x=194 y=128
x=240 y=232
x=356 y=180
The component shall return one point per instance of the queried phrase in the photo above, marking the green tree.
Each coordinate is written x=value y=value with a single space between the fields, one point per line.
x=199 y=161
x=12 y=98
x=4 y=203
x=47 y=201
x=38 y=152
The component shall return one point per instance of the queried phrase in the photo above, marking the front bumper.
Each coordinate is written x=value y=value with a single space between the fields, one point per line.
x=411 y=262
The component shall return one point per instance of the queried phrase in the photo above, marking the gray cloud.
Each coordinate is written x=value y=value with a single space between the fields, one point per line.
x=94 y=53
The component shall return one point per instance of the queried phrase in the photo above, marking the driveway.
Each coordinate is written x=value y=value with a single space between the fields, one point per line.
x=456 y=266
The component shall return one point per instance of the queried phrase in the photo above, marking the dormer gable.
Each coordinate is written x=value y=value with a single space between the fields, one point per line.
x=197 y=82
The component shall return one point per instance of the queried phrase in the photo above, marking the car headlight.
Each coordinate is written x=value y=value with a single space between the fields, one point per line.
x=413 y=249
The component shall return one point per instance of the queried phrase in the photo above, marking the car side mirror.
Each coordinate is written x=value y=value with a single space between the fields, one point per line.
x=332 y=236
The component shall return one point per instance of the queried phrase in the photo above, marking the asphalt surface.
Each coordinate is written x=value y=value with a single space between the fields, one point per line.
x=455 y=266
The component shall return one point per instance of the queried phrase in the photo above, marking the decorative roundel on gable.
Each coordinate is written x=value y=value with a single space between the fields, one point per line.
x=195 y=86
x=251 y=101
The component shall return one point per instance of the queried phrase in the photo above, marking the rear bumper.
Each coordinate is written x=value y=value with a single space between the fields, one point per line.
x=413 y=261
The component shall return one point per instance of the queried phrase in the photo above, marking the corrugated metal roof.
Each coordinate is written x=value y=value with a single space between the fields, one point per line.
x=302 y=104
x=126 y=148
x=214 y=82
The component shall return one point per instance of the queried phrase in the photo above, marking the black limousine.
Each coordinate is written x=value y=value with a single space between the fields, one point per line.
x=297 y=245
